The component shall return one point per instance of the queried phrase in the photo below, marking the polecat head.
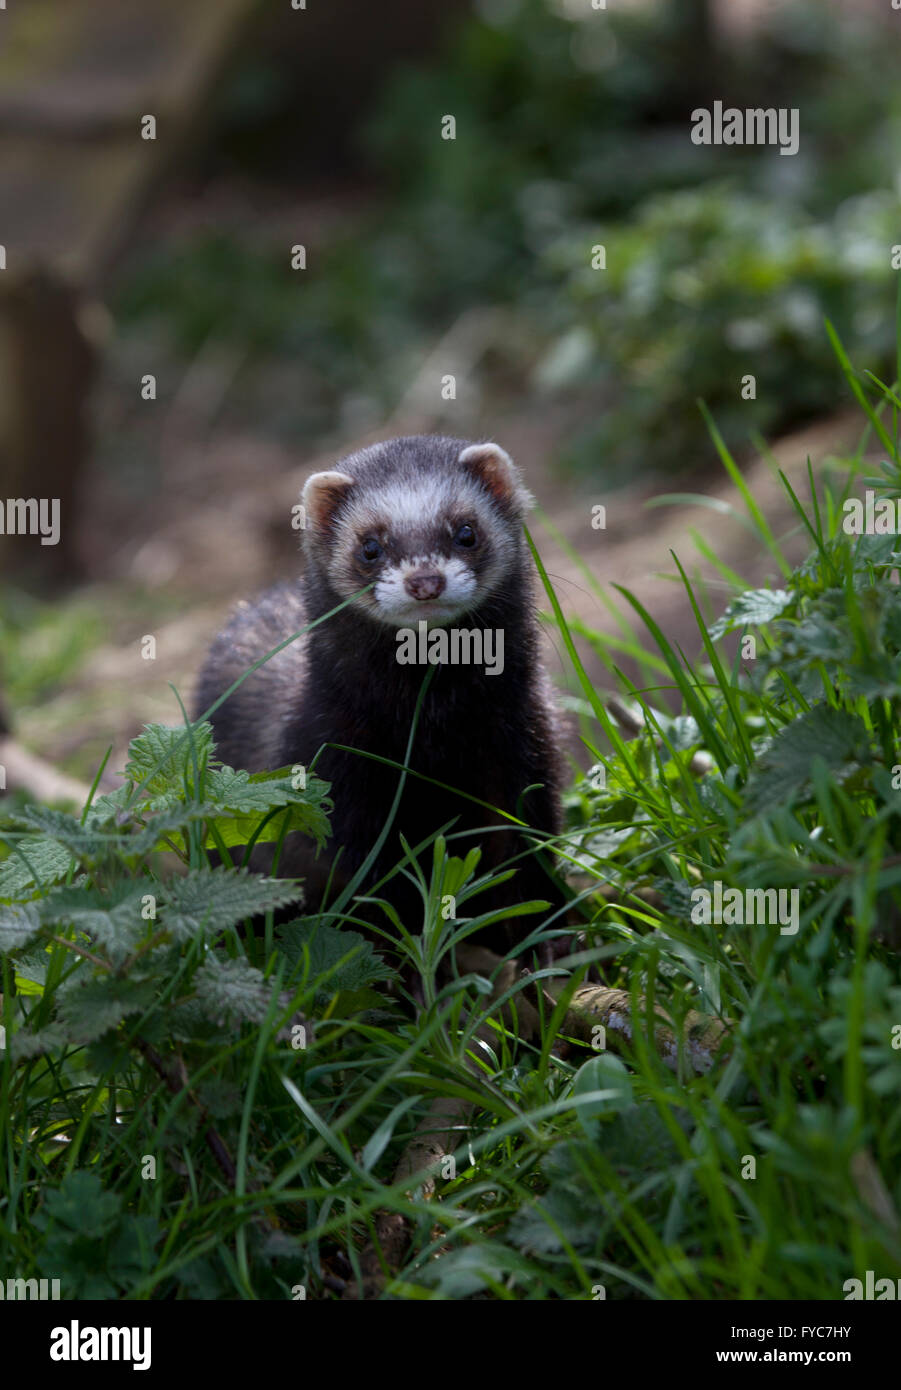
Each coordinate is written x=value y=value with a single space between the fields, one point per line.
x=434 y=524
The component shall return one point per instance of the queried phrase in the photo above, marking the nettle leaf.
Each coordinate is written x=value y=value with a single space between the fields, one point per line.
x=772 y=850
x=135 y=832
x=714 y=797
x=637 y=1138
x=47 y=862
x=328 y=947
x=248 y=797
x=211 y=900
x=683 y=732
x=751 y=609
x=675 y=894
x=89 y=1008
x=84 y=841
x=474 y=1269
x=113 y=918
x=836 y=736
x=81 y=1206
x=880 y=549
x=162 y=825
x=19 y=923
x=605 y=844
x=878 y=681
x=162 y=758
x=561 y=1217
x=220 y=1097
x=115 y=805
x=31 y=969
x=131 y=1249
x=819 y=636
x=126 y=813
x=231 y=991
x=24 y=1045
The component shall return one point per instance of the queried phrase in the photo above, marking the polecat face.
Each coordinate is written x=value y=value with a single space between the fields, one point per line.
x=433 y=524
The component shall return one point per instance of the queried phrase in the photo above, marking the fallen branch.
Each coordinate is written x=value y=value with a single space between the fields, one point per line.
x=701 y=1035
x=27 y=772
x=437 y=1135
x=175 y=1078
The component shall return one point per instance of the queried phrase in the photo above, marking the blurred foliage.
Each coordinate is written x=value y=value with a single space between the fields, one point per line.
x=706 y=287
x=572 y=129
x=44 y=644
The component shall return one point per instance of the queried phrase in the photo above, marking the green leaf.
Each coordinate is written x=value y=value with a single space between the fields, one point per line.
x=752 y=608
x=47 y=862
x=162 y=825
x=328 y=951
x=231 y=991
x=221 y=1097
x=891 y=622
x=25 y=1045
x=80 y=1205
x=838 y=737
x=247 y=798
x=161 y=758
x=31 y=969
x=637 y=1139
x=84 y=841
x=19 y=922
x=136 y=832
x=89 y=1008
x=560 y=1220
x=207 y=901
x=113 y=919
x=132 y=1248
x=607 y=1080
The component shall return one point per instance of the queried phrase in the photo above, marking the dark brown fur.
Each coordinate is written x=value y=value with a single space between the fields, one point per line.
x=492 y=736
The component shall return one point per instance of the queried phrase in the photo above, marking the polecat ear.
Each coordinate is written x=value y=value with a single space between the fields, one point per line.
x=322 y=492
x=494 y=468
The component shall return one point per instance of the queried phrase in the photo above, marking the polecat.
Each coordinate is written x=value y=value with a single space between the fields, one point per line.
x=432 y=529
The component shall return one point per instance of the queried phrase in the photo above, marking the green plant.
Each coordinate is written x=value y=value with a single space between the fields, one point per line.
x=725 y=290
x=778 y=1177
x=187 y=1111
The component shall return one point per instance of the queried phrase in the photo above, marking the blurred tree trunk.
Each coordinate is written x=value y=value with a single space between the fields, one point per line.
x=693 y=26
x=695 y=19
x=49 y=370
x=361 y=44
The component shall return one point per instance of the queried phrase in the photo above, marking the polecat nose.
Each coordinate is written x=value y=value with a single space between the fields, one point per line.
x=425 y=584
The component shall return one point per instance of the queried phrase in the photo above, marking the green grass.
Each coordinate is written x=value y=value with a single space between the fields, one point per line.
x=45 y=644
x=188 y=1112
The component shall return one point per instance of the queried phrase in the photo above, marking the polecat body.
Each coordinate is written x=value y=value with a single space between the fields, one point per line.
x=434 y=526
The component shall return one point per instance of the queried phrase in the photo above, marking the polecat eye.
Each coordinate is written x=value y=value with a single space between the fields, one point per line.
x=370 y=549
x=465 y=535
